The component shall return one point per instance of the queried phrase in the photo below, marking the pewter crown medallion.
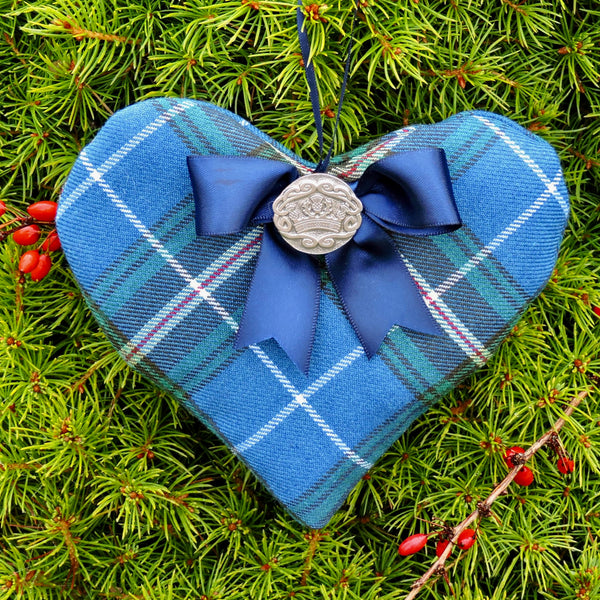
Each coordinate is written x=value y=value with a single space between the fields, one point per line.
x=317 y=213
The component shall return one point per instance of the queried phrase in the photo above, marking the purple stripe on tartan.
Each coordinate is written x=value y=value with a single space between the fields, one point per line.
x=361 y=160
x=190 y=297
x=452 y=325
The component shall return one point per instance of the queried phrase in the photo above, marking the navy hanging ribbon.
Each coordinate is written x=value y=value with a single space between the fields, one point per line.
x=309 y=71
x=408 y=193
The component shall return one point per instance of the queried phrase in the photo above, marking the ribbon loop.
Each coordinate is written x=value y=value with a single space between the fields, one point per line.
x=235 y=191
x=408 y=193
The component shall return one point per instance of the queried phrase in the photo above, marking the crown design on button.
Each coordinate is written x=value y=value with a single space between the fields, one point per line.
x=317 y=213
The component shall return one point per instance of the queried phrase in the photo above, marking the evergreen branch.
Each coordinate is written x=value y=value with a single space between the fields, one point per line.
x=483 y=509
x=415 y=63
x=13 y=46
x=314 y=538
x=63 y=526
x=80 y=32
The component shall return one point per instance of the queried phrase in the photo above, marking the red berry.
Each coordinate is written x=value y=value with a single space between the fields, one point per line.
x=27 y=235
x=596 y=310
x=51 y=243
x=466 y=539
x=42 y=268
x=29 y=261
x=524 y=477
x=565 y=465
x=44 y=210
x=508 y=455
x=412 y=544
x=2 y=208
x=441 y=546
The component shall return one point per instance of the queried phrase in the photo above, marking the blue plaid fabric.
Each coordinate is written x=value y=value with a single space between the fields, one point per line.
x=170 y=302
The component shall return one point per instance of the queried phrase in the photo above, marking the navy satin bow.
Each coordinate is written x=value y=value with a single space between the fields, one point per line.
x=408 y=193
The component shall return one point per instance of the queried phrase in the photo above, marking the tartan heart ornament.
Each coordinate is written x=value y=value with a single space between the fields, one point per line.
x=407 y=192
x=171 y=301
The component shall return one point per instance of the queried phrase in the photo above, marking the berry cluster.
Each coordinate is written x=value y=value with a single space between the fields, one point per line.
x=565 y=464
x=27 y=232
x=514 y=457
x=418 y=541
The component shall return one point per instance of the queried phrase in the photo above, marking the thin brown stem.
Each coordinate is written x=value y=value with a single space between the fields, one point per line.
x=498 y=491
x=79 y=33
x=315 y=538
x=11 y=42
x=19 y=295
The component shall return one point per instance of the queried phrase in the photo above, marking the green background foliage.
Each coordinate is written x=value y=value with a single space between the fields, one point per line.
x=109 y=489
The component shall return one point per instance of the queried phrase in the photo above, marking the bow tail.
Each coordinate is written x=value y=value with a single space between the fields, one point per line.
x=283 y=301
x=376 y=289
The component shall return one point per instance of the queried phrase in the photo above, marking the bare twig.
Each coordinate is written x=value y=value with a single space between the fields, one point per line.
x=498 y=491
x=314 y=538
x=79 y=33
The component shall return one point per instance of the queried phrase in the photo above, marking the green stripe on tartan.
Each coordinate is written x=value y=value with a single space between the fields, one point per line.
x=463 y=144
x=504 y=303
x=395 y=426
x=204 y=127
x=321 y=494
x=395 y=351
x=145 y=367
x=348 y=157
x=124 y=267
x=412 y=356
x=371 y=447
x=495 y=273
x=245 y=139
x=211 y=352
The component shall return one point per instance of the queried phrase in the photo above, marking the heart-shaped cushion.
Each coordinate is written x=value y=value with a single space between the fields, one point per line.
x=170 y=301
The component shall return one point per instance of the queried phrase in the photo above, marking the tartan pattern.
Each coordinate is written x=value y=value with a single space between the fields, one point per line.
x=170 y=302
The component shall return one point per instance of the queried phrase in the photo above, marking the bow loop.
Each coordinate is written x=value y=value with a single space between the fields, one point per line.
x=408 y=193
x=235 y=191
x=411 y=193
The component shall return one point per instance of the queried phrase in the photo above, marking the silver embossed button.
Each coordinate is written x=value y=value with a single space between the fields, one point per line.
x=317 y=213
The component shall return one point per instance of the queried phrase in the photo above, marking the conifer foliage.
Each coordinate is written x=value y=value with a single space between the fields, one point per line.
x=109 y=489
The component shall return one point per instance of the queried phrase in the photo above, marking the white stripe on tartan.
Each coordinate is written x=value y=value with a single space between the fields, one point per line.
x=96 y=176
x=291 y=407
x=136 y=140
x=468 y=343
x=286 y=411
x=266 y=360
x=190 y=289
x=314 y=387
x=501 y=237
x=360 y=165
x=365 y=464
x=550 y=185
